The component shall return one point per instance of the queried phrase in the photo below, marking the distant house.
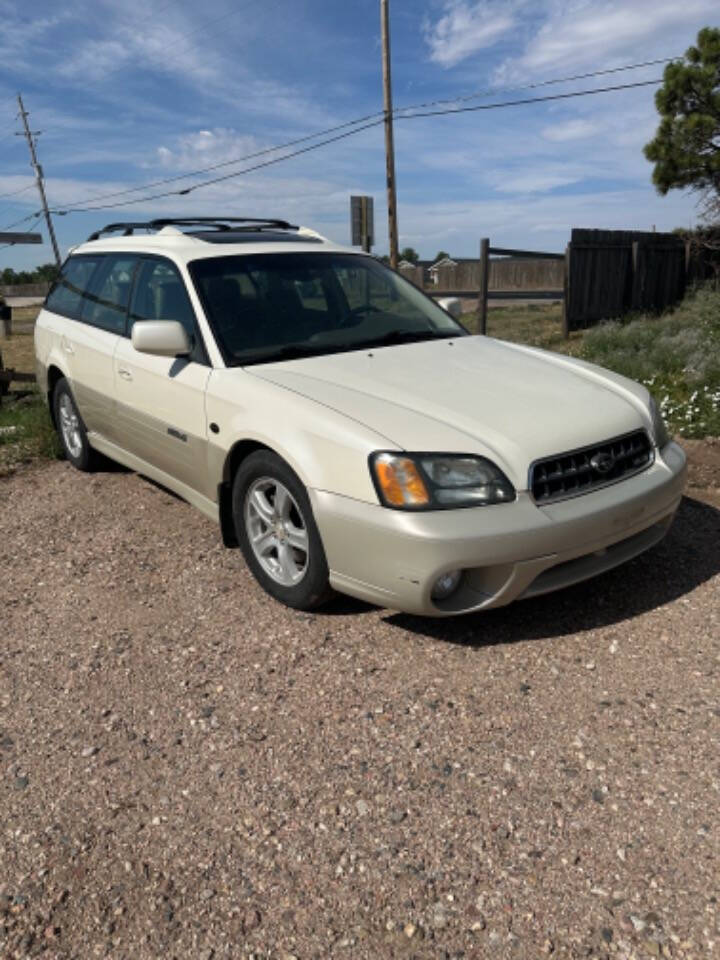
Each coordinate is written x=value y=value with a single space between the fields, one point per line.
x=406 y=265
x=433 y=270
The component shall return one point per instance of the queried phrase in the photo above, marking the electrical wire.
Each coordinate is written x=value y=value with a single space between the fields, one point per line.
x=227 y=163
x=350 y=133
x=32 y=226
x=14 y=193
x=17 y=223
x=519 y=103
x=227 y=176
x=534 y=86
x=399 y=113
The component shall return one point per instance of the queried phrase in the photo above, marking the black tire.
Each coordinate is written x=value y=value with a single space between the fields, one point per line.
x=313 y=588
x=80 y=454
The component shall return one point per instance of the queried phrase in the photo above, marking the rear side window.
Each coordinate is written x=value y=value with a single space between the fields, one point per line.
x=68 y=294
x=107 y=302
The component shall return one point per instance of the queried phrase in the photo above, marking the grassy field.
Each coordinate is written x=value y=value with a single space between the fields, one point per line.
x=676 y=355
x=26 y=432
x=536 y=324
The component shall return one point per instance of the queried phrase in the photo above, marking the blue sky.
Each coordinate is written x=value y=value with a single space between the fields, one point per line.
x=129 y=93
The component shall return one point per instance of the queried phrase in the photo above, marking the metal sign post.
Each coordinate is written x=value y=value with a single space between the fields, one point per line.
x=362 y=221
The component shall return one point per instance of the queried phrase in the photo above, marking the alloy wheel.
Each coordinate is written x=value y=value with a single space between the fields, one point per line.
x=277 y=531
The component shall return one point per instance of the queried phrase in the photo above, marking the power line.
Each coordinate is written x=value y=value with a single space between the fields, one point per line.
x=33 y=216
x=14 y=193
x=520 y=103
x=350 y=133
x=68 y=207
x=227 y=176
x=534 y=86
x=398 y=112
x=30 y=229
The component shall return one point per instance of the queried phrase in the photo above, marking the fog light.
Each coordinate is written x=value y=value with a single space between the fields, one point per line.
x=446 y=585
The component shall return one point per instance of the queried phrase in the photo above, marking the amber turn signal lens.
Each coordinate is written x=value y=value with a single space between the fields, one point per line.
x=400 y=482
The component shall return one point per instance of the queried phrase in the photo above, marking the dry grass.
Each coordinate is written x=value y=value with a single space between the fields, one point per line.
x=536 y=324
x=18 y=353
x=26 y=432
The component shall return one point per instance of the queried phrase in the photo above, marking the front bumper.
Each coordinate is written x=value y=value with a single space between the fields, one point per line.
x=393 y=558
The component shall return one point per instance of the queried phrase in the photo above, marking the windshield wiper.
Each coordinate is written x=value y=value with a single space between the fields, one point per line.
x=291 y=351
x=296 y=351
x=395 y=337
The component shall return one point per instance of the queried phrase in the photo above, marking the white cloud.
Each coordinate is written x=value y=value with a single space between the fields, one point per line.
x=205 y=148
x=466 y=28
x=578 y=129
x=543 y=223
x=579 y=34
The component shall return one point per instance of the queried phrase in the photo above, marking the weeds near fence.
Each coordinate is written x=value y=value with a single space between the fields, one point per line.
x=676 y=356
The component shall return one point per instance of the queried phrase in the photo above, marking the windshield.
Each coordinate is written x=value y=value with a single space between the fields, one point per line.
x=281 y=306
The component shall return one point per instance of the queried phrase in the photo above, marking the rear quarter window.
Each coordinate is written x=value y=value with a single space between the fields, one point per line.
x=68 y=295
x=106 y=303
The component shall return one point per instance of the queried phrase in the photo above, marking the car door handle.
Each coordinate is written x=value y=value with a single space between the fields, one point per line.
x=125 y=373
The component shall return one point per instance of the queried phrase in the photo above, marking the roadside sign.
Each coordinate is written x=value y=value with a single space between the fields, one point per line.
x=20 y=238
x=362 y=222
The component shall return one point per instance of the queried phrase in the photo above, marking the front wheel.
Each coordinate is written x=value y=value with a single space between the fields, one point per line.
x=277 y=532
x=71 y=429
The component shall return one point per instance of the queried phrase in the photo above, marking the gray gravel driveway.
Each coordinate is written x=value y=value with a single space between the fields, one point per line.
x=189 y=770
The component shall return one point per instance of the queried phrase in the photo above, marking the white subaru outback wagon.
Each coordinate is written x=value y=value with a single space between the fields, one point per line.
x=344 y=430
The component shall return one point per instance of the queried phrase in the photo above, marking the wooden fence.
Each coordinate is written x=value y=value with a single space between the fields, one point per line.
x=612 y=272
x=603 y=274
x=485 y=292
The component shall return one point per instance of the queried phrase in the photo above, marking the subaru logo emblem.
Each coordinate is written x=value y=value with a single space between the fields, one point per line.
x=602 y=462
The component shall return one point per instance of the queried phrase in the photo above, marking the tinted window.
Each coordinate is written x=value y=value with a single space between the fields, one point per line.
x=107 y=302
x=160 y=294
x=283 y=306
x=67 y=296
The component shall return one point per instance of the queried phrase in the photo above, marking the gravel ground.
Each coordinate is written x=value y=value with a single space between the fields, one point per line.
x=189 y=770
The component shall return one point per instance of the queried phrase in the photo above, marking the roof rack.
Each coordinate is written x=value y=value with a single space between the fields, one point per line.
x=212 y=223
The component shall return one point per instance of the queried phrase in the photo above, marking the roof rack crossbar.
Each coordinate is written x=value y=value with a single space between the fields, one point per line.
x=217 y=223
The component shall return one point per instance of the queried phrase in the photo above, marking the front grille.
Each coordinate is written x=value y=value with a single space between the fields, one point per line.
x=580 y=471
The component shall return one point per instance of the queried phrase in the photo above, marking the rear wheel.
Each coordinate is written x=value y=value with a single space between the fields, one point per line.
x=71 y=429
x=277 y=533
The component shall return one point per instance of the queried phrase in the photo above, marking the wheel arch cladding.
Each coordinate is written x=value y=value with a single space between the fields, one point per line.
x=239 y=452
x=54 y=374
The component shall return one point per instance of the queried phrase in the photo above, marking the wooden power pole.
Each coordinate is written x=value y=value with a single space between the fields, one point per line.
x=389 y=146
x=39 y=180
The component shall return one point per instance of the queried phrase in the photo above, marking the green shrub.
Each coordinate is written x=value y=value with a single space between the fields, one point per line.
x=676 y=355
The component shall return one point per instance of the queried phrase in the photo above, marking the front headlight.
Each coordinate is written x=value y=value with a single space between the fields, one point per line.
x=660 y=431
x=429 y=481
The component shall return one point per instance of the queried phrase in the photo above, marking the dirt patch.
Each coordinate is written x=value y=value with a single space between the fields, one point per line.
x=189 y=770
x=703 y=464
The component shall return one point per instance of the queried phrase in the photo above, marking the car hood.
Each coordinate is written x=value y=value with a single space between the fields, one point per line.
x=470 y=395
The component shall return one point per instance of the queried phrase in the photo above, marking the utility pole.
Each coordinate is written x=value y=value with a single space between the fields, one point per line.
x=39 y=179
x=389 y=146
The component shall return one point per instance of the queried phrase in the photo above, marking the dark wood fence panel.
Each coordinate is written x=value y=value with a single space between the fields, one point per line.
x=599 y=282
x=611 y=272
x=659 y=273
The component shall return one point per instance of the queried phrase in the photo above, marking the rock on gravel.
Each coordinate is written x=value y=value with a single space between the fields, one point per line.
x=190 y=770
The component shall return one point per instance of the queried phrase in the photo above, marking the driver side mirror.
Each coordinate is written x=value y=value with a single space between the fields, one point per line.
x=162 y=338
